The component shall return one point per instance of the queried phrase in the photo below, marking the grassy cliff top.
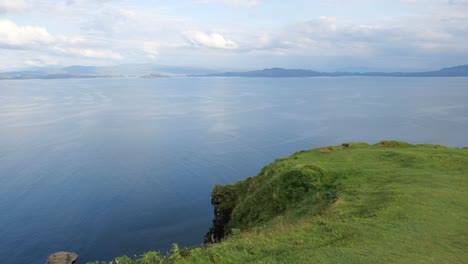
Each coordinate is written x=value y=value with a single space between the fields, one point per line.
x=391 y=202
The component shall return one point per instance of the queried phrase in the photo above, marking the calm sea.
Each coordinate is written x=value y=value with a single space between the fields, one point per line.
x=109 y=167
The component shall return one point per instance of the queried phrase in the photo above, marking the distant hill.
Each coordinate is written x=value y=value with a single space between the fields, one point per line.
x=457 y=71
x=146 y=70
x=274 y=72
x=125 y=70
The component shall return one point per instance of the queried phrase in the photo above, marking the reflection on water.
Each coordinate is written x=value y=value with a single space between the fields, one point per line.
x=109 y=167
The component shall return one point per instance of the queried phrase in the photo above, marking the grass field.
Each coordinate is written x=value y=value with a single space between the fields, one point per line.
x=391 y=202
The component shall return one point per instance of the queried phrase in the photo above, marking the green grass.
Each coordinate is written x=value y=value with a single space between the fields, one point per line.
x=391 y=202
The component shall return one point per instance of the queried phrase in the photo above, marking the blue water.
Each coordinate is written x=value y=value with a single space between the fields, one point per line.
x=109 y=167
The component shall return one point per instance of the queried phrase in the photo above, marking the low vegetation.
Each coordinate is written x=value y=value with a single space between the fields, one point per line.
x=391 y=202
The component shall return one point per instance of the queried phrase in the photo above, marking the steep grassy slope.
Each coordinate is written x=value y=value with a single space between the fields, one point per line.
x=386 y=203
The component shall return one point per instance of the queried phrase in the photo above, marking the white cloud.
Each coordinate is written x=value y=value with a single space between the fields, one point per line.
x=450 y=2
x=151 y=48
x=102 y=54
x=318 y=26
x=14 y=6
x=247 y=3
x=73 y=40
x=105 y=31
x=213 y=40
x=111 y=20
x=232 y=3
x=16 y=36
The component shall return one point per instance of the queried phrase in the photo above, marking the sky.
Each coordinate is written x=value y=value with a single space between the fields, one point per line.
x=235 y=34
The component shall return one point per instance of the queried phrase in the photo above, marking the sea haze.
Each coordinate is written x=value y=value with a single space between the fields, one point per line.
x=108 y=167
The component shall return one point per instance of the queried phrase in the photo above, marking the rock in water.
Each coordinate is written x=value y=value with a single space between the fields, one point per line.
x=62 y=258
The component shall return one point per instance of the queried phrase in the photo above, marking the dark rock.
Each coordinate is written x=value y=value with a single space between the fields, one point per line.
x=62 y=258
x=220 y=220
x=223 y=199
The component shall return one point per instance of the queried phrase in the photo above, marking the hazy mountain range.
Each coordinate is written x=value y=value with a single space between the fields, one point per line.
x=127 y=70
x=154 y=71
x=457 y=71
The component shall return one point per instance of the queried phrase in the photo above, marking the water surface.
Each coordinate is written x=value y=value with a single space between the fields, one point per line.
x=108 y=167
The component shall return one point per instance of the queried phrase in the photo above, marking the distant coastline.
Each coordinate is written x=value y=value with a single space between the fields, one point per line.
x=88 y=72
x=457 y=71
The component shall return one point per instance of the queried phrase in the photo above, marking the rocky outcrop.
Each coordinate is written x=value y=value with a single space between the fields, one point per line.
x=223 y=199
x=220 y=220
x=62 y=258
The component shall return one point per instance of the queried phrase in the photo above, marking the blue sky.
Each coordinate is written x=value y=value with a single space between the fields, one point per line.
x=236 y=34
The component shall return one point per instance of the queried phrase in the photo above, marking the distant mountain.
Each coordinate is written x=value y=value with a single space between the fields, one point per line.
x=274 y=72
x=458 y=71
x=126 y=70
x=24 y=75
x=152 y=71
x=154 y=75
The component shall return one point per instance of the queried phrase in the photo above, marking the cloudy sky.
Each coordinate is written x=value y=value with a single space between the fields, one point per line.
x=236 y=34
